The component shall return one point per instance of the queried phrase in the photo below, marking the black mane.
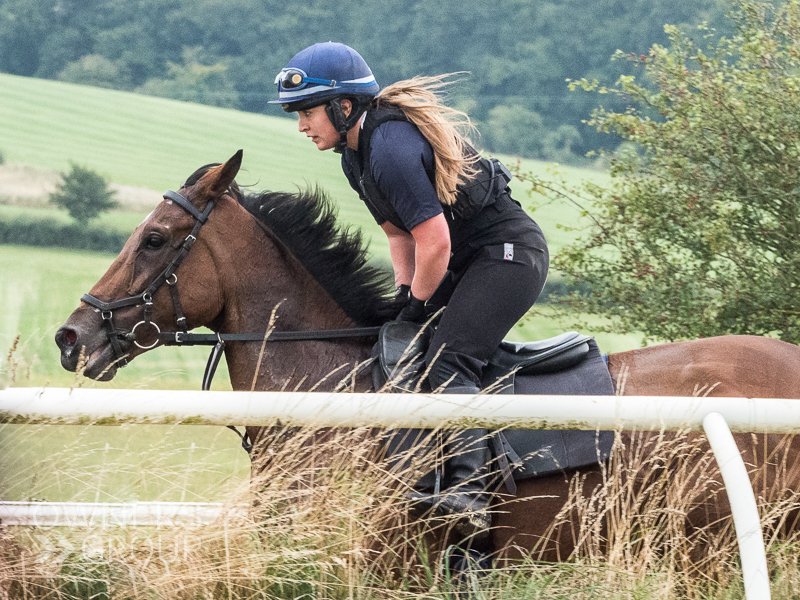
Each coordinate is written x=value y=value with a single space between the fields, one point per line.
x=334 y=255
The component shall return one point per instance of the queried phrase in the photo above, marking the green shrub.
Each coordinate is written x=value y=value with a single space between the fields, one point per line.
x=97 y=71
x=48 y=233
x=698 y=233
x=84 y=193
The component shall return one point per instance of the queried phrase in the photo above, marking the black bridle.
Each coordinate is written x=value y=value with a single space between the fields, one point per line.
x=167 y=276
x=182 y=337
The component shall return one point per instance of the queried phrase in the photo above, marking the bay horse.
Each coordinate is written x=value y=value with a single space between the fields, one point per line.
x=280 y=260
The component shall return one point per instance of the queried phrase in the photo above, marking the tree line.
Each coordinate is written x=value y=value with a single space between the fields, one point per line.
x=517 y=54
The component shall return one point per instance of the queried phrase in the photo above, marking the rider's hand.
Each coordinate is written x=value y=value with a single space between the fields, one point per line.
x=413 y=311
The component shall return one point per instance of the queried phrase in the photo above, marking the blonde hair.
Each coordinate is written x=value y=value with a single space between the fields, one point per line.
x=420 y=100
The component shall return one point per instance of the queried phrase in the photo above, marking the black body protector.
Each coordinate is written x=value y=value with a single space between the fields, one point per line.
x=466 y=218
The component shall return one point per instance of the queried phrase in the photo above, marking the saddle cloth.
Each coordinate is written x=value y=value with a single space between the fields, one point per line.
x=568 y=364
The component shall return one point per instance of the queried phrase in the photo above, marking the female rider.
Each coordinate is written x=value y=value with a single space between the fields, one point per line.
x=446 y=211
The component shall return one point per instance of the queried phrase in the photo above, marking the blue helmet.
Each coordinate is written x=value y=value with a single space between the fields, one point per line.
x=323 y=72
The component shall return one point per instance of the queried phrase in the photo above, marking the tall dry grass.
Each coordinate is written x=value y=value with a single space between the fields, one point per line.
x=324 y=518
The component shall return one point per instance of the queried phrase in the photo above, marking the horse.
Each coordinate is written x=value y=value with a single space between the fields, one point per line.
x=280 y=261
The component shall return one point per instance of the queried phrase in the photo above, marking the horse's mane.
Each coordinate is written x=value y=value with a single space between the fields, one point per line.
x=334 y=255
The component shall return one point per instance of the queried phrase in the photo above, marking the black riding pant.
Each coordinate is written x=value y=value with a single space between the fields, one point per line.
x=491 y=294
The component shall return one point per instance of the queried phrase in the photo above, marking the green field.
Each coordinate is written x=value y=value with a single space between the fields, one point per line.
x=150 y=143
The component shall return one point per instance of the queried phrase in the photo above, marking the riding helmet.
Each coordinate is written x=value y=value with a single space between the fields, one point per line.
x=323 y=72
x=327 y=73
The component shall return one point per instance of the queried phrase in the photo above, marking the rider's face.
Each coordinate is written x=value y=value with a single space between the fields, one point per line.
x=315 y=123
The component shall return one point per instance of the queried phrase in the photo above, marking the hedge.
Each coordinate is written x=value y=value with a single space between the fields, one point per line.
x=49 y=233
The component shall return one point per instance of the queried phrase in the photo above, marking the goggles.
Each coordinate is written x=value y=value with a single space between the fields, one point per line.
x=296 y=79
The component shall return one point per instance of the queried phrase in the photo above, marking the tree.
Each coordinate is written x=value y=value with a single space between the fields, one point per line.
x=84 y=193
x=699 y=232
x=194 y=82
x=514 y=130
x=94 y=70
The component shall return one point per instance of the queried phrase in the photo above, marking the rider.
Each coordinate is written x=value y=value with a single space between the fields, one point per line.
x=446 y=212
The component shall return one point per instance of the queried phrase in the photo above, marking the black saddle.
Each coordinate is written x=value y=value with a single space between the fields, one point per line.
x=568 y=364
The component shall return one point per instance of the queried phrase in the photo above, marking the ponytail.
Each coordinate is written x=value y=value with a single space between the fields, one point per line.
x=422 y=105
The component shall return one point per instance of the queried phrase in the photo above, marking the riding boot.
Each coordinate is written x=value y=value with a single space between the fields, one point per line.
x=466 y=496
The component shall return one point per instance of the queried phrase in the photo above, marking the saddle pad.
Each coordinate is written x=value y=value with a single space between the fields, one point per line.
x=542 y=452
x=546 y=451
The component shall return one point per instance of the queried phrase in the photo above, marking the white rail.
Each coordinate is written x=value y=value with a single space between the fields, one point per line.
x=113 y=407
x=718 y=415
x=86 y=514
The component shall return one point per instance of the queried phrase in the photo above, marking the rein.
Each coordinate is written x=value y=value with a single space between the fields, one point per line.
x=182 y=337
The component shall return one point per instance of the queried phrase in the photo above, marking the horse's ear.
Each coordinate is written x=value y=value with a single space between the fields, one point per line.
x=217 y=180
x=228 y=173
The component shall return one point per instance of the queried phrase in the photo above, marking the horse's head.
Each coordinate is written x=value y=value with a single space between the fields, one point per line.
x=142 y=294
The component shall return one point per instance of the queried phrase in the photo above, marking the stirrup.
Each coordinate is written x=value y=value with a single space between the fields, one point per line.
x=473 y=517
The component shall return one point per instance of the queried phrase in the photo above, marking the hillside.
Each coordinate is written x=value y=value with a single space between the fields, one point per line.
x=151 y=142
x=138 y=141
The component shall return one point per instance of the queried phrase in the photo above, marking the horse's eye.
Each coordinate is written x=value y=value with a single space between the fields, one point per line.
x=154 y=241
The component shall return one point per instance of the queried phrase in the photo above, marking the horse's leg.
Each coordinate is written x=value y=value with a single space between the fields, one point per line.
x=771 y=460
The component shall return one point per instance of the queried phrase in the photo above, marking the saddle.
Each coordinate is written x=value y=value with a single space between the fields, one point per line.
x=568 y=364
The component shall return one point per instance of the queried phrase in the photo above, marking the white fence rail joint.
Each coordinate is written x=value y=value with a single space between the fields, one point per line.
x=744 y=509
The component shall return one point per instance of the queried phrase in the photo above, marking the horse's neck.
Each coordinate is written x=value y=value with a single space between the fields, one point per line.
x=270 y=286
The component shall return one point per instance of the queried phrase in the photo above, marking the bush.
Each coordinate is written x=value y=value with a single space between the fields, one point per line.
x=48 y=233
x=697 y=235
x=84 y=193
x=95 y=70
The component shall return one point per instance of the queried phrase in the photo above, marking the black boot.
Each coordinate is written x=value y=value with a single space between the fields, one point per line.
x=465 y=497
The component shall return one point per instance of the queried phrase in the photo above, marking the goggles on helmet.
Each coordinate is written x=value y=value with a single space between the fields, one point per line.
x=296 y=79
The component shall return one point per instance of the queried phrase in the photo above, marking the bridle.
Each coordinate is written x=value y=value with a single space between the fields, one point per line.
x=182 y=337
x=167 y=276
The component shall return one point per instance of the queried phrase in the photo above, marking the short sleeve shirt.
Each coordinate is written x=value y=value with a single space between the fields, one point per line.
x=402 y=165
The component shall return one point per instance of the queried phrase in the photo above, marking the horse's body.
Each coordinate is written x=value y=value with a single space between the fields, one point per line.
x=240 y=270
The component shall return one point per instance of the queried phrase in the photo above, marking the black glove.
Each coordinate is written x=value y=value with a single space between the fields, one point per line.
x=414 y=311
x=402 y=293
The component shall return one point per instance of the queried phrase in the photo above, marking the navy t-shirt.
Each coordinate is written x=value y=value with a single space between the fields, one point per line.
x=402 y=165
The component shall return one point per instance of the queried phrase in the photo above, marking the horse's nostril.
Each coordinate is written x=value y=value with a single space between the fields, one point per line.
x=69 y=337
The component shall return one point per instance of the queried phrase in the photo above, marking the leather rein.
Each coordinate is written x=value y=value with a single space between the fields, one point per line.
x=182 y=336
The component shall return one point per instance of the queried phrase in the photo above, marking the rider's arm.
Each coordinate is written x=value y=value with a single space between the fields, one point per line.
x=402 y=164
x=432 y=238
x=402 y=250
x=419 y=259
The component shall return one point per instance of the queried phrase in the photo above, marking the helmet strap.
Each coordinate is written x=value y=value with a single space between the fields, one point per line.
x=339 y=120
x=344 y=123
